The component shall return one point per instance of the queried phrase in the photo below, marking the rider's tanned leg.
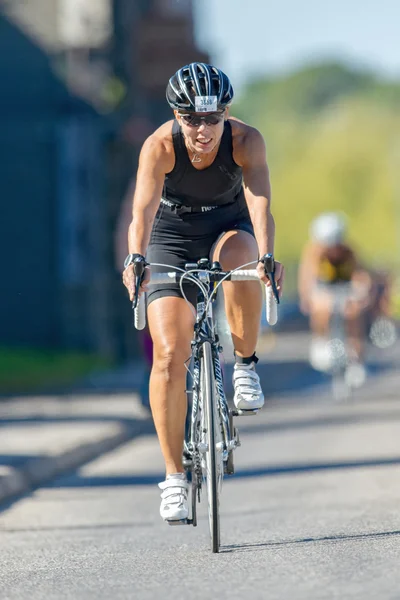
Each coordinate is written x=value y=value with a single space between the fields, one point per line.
x=171 y=326
x=243 y=300
x=320 y=313
x=355 y=328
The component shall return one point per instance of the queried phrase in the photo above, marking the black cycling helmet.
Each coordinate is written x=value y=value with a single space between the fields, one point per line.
x=199 y=80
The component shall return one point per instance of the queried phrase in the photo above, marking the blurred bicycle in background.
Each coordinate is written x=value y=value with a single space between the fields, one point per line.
x=348 y=305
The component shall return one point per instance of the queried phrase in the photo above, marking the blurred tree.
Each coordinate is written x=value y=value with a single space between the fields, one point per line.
x=306 y=92
x=331 y=133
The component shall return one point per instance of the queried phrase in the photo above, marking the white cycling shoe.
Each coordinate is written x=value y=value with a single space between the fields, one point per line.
x=321 y=358
x=174 y=499
x=248 y=393
x=355 y=375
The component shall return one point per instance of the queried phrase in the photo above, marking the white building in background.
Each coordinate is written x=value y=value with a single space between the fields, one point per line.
x=75 y=34
x=59 y=25
x=81 y=23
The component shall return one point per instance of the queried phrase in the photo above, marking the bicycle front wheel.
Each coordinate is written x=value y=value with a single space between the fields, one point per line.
x=213 y=464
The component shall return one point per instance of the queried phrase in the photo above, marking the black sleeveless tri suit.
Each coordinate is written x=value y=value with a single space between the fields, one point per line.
x=197 y=206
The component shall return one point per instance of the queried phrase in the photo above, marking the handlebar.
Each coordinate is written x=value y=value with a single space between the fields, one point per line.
x=207 y=276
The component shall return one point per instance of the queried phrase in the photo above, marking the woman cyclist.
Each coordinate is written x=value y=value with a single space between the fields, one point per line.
x=327 y=262
x=202 y=190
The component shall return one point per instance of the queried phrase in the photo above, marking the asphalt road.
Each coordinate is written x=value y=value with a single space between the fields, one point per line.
x=312 y=512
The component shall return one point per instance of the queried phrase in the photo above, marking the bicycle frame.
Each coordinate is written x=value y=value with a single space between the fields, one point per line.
x=340 y=353
x=338 y=342
x=204 y=332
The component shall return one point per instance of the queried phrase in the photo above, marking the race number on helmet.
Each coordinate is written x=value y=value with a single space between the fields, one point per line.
x=199 y=87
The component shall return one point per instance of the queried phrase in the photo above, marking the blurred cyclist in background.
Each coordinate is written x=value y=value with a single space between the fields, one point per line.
x=328 y=261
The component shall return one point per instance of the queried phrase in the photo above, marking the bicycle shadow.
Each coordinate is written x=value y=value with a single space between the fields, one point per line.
x=77 y=480
x=296 y=377
x=319 y=422
x=298 y=468
x=311 y=540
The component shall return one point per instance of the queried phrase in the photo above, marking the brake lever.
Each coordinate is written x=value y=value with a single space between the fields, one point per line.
x=138 y=267
x=269 y=268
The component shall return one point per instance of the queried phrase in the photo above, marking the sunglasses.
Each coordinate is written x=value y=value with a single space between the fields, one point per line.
x=195 y=120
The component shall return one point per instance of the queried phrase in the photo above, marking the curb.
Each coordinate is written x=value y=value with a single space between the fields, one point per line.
x=37 y=471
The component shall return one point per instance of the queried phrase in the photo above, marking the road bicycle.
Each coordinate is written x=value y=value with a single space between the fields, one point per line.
x=337 y=345
x=211 y=437
x=341 y=359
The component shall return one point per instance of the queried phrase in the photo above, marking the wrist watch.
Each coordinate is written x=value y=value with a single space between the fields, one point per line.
x=130 y=259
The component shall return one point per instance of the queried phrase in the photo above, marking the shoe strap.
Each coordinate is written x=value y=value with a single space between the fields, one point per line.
x=174 y=487
x=174 y=494
x=173 y=482
x=239 y=374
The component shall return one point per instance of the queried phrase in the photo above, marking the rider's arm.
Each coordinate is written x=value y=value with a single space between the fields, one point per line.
x=154 y=163
x=362 y=280
x=257 y=189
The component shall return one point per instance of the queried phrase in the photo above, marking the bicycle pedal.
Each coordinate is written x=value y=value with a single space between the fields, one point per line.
x=237 y=437
x=229 y=469
x=180 y=522
x=244 y=413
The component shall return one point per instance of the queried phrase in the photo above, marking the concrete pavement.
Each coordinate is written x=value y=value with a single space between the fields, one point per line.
x=45 y=436
x=311 y=514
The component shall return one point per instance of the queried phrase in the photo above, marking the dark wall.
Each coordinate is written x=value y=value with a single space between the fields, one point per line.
x=33 y=103
x=27 y=300
x=27 y=82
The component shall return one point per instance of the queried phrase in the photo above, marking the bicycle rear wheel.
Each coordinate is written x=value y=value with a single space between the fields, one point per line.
x=213 y=463
x=340 y=389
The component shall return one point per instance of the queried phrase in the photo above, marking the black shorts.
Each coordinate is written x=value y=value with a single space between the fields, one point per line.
x=179 y=239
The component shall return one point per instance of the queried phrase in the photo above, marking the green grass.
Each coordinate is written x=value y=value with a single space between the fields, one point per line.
x=30 y=370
